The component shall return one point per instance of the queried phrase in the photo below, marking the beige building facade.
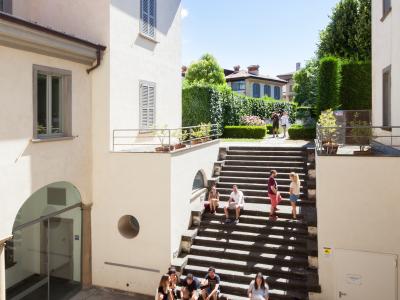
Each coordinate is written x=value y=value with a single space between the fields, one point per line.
x=357 y=197
x=75 y=211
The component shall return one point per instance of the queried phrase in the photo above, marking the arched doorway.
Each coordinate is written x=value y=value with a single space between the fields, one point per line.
x=43 y=260
x=199 y=181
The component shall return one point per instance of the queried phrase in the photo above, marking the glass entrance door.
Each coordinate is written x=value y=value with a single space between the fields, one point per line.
x=46 y=258
x=28 y=275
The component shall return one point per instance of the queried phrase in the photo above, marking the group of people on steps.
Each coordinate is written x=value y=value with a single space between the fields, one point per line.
x=191 y=288
x=236 y=198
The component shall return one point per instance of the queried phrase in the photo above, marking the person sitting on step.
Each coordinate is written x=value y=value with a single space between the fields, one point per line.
x=273 y=193
x=173 y=281
x=235 y=202
x=210 y=285
x=213 y=199
x=258 y=289
x=164 y=292
x=190 y=285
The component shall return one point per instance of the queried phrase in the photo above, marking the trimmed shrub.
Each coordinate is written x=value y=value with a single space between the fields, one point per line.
x=249 y=132
x=328 y=84
x=356 y=85
x=299 y=132
x=220 y=105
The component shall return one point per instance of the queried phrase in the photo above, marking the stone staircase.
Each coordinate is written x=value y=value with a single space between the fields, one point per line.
x=282 y=249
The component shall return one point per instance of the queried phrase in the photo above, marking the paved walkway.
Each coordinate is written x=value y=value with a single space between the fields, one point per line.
x=106 y=294
x=270 y=141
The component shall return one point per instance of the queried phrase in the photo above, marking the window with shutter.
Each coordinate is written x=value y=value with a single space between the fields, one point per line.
x=147 y=105
x=387 y=7
x=386 y=97
x=148 y=17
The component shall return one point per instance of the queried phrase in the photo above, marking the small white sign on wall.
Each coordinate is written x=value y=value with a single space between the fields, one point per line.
x=354 y=279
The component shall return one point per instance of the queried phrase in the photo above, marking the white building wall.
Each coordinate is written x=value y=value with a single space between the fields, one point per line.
x=85 y=19
x=358 y=207
x=134 y=58
x=385 y=52
x=26 y=166
x=184 y=166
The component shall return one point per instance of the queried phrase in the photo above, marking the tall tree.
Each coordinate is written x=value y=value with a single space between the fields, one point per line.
x=348 y=35
x=306 y=83
x=205 y=71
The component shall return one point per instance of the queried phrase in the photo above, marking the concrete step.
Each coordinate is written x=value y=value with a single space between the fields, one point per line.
x=235 y=291
x=262 y=180
x=266 y=148
x=265 y=163
x=239 y=277
x=238 y=234
x=246 y=245
x=284 y=158
x=288 y=230
x=262 y=210
x=265 y=199
x=251 y=267
x=256 y=175
x=226 y=189
x=267 y=152
x=282 y=186
x=264 y=169
x=257 y=220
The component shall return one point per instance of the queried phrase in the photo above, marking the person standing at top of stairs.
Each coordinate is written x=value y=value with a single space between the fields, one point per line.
x=273 y=193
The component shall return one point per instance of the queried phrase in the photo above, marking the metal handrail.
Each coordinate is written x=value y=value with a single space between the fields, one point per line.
x=169 y=139
x=342 y=136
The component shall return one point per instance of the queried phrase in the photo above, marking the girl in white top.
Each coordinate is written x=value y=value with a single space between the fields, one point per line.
x=294 y=191
x=258 y=289
x=285 y=123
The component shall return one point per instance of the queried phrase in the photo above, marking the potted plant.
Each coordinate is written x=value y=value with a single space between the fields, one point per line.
x=181 y=135
x=206 y=131
x=197 y=135
x=328 y=131
x=361 y=134
x=162 y=135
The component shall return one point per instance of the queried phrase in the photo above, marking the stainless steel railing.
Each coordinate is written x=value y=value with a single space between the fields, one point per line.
x=163 y=139
x=358 y=140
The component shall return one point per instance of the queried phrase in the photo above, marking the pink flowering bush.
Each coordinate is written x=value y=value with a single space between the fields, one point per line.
x=251 y=121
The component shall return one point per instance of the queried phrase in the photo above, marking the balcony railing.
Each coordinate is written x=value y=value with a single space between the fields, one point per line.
x=163 y=140
x=358 y=140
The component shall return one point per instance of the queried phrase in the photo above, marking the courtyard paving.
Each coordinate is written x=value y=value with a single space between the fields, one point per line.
x=107 y=294
x=269 y=141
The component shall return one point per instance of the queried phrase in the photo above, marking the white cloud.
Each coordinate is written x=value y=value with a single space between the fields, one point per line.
x=184 y=13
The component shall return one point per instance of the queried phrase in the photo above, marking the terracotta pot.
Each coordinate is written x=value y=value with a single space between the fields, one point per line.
x=330 y=148
x=195 y=142
x=180 y=146
x=164 y=148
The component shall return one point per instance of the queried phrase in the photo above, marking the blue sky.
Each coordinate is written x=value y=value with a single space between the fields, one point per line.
x=272 y=33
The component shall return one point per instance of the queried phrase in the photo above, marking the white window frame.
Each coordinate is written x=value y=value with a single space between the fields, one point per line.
x=6 y=6
x=387 y=98
x=65 y=101
x=386 y=8
x=148 y=127
x=149 y=16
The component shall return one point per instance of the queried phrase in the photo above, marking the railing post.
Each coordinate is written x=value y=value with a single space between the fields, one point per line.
x=190 y=135
x=113 y=140
x=169 y=140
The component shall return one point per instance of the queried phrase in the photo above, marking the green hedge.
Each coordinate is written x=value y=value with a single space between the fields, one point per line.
x=299 y=132
x=249 y=132
x=220 y=105
x=328 y=84
x=356 y=85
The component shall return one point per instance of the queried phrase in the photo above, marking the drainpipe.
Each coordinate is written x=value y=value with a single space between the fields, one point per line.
x=98 y=60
